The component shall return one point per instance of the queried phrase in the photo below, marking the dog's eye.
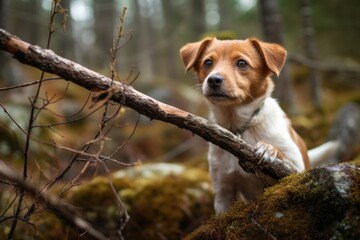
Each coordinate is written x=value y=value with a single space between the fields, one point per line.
x=242 y=64
x=208 y=63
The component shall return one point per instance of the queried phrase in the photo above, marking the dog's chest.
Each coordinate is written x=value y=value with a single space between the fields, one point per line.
x=253 y=133
x=251 y=129
x=226 y=162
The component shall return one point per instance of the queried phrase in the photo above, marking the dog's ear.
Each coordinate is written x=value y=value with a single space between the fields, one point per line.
x=273 y=54
x=191 y=52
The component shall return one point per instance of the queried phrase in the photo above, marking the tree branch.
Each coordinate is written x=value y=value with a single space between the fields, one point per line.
x=48 y=61
x=324 y=66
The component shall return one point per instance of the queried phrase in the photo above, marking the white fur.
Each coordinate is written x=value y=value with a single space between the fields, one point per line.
x=270 y=125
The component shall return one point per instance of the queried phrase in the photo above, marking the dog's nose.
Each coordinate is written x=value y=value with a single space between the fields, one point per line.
x=215 y=81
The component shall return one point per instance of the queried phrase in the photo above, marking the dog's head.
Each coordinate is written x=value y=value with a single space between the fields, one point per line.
x=233 y=71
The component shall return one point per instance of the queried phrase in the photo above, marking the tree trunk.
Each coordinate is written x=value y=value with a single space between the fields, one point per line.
x=27 y=23
x=2 y=13
x=170 y=23
x=272 y=32
x=3 y=59
x=105 y=16
x=9 y=72
x=142 y=41
x=311 y=52
x=226 y=11
x=66 y=39
x=197 y=18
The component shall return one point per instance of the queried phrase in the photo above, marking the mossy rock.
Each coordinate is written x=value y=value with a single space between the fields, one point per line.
x=322 y=203
x=163 y=200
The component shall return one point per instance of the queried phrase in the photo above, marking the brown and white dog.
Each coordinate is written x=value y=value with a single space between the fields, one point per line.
x=235 y=79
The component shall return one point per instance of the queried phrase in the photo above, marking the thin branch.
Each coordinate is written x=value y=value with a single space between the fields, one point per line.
x=95 y=156
x=12 y=119
x=70 y=121
x=2 y=218
x=324 y=66
x=55 y=8
x=71 y=115
x=58 y=207
x=128 y=139
x=28 y=84
x=33 y=104
x=125 y=217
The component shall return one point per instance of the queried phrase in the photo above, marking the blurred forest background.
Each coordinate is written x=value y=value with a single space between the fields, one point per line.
x=320 y=39
x=322 y=72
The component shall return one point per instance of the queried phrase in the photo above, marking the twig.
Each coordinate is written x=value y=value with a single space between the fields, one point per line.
x=59 y=208
x=70 y=121
x=324 y=66
x=113 y=53
x=55 y=8
x=12 y=119
x=126 y=216
x=28 y=84
x=29 y=131
x=127 y=140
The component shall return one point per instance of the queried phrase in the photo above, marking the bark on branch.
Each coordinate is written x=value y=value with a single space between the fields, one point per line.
x=48 y=61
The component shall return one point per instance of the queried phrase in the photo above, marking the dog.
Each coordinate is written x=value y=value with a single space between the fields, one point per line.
x=235 y=79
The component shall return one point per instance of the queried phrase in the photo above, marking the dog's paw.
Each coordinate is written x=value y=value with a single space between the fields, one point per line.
x=266 y=152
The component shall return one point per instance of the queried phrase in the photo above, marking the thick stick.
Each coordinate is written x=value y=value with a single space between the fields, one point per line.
x=48 y=61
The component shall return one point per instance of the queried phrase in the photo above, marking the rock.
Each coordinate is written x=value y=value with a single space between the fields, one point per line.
x=164 y=201
x=346 y=129
x=322 y=203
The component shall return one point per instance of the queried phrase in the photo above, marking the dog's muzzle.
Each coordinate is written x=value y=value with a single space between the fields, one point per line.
x=214 y=88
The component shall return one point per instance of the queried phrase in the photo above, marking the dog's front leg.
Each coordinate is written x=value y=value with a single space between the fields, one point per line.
x=269 y=153
x=223 y=168
x=225 y=193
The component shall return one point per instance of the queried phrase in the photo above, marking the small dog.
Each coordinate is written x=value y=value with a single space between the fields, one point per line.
x=235 y=79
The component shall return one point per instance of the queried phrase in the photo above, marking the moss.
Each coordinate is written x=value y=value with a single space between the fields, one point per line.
x=161 y=208
x=163 y=200
x=321 y=203
x=348 y=228
x=355 y=188
x=44 y=225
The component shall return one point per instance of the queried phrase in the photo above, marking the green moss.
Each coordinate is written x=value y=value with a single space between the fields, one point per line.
x=159 y=208
x=166 y=200
x=317 y=204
